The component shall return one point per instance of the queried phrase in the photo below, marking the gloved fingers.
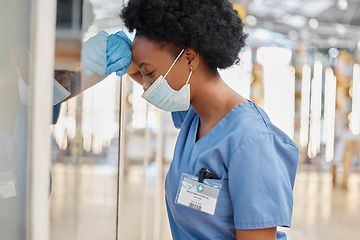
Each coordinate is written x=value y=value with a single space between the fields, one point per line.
x=97 y=65
x=116 y=45
x=119 y=55
x=111 y=68
x=100 y=51
x=99 y=43
x=123 y=71
x=93 y=54
x=124 y=37
x=110 y=49
x=115 y=42
x=100 y=58
x=93 y=66
x=111 y=41
x=117 y=51
x=88 y=54
x=115 y=67
x=118 y=65
x=94 y=59
x=112 y=56
x=96 y=45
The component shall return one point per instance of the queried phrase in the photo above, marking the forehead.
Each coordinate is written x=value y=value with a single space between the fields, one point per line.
x=148 y=51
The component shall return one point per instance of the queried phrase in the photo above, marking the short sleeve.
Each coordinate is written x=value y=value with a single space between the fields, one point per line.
x=261 y=180
x=178 y=118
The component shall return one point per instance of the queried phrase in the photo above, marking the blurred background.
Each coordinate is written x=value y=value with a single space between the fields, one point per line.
x=111 y=150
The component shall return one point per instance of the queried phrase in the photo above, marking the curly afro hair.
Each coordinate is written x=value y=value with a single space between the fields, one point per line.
x=210 y=27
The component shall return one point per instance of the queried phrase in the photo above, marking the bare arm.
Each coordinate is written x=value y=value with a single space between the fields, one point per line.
x=78 y=83
x=256 y=234
x=75 y=82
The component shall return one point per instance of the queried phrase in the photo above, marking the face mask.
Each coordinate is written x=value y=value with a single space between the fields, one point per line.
x=59 y=92
x=24 y=90
x=161 y=95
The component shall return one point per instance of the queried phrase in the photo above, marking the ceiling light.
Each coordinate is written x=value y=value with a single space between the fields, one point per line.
x=333 y=52
x=293 y=35
x=343 y=4
x=251 y=20
x=294 y=20
x=313 y=23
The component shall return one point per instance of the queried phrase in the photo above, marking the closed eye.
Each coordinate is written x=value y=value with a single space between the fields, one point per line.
x=150 y=74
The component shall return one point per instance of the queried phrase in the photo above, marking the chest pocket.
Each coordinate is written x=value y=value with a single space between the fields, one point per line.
x=224 y=207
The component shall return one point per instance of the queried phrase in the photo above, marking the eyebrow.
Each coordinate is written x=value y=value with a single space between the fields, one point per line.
x=142 y=64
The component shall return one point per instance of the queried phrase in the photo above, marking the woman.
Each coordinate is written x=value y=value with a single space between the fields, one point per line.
x=250 y=162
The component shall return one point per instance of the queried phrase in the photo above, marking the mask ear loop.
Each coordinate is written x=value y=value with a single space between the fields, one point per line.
x=189 y=77
x=18 y=71
x=174 y=62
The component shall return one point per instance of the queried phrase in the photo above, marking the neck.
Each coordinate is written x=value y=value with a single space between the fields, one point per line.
x=213 y=98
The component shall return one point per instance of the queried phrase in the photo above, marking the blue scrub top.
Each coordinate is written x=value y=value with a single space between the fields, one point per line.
x=56 y=112
x=256 y=163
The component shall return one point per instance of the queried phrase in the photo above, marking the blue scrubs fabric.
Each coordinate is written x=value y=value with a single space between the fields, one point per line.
x=56 y=113
x=256 y=163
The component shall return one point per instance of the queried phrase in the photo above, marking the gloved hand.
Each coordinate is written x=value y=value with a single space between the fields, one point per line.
x=93 y=54
x=118 y=53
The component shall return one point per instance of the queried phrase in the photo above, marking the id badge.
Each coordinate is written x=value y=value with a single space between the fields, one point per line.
x=7 y=184
x=199 y=196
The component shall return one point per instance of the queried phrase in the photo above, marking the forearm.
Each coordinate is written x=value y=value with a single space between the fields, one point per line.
x=256 y=234
x=77 y=83
x=80 y=82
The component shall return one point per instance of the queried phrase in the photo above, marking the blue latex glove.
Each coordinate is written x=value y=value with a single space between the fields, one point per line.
x=118 y=53
x=93 y=54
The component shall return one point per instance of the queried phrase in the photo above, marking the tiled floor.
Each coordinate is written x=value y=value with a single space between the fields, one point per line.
x=83 y=205
x=323 y=211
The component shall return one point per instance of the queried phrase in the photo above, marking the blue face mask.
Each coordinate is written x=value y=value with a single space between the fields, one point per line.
x=161 y=95
x=59 y=92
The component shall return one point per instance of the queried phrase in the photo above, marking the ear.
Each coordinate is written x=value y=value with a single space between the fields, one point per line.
x=192 y=58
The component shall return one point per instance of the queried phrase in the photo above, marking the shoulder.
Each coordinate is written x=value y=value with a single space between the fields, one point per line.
x=251 y=123
x=255 y=141
x=263 y=145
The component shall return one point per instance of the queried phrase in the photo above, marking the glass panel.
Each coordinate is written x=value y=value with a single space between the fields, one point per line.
x=15 y=89
x=87 y=179
x=86 y=133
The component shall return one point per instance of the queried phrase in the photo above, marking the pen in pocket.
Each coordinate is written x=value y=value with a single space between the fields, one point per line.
x=206 y=174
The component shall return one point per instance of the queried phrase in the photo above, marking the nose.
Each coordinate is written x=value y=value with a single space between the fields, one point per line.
x=146 y=84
